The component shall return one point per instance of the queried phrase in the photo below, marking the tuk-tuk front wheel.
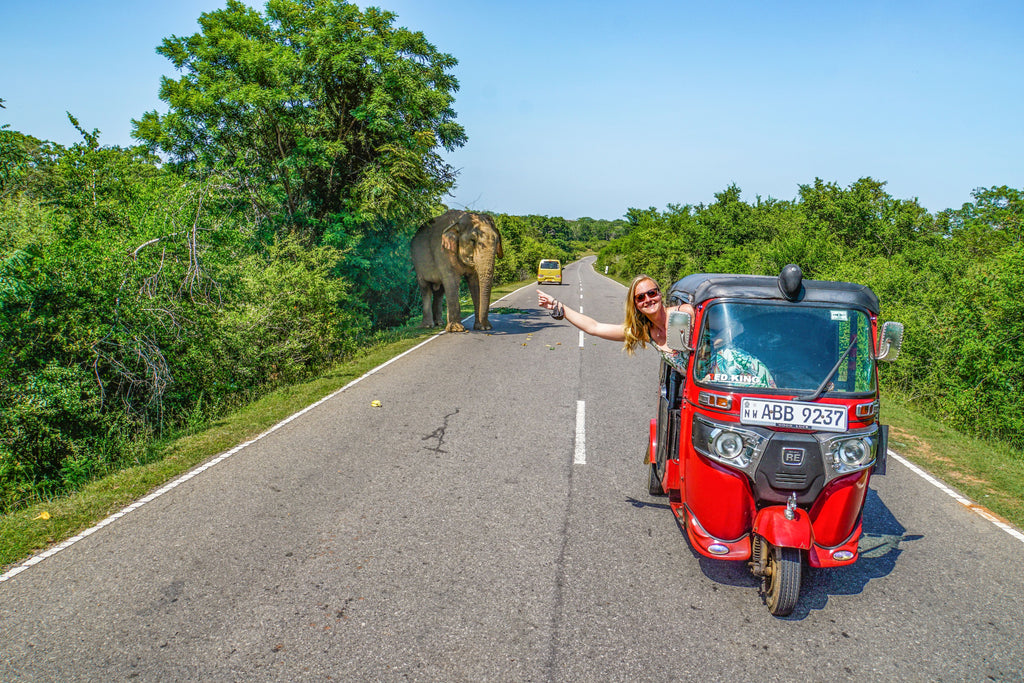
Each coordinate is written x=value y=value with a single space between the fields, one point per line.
x=782 y=576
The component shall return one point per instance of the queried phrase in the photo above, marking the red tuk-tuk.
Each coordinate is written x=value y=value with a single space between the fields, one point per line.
x=766 y=442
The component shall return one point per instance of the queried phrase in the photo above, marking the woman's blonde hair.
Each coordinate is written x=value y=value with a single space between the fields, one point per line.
x=637 y=327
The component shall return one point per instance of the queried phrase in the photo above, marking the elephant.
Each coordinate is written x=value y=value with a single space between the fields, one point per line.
x=454 y=245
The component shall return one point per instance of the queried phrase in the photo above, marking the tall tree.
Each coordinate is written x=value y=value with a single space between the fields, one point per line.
x=329 y=118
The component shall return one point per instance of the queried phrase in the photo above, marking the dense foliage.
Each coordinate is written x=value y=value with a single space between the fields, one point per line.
x=137 y=300
x=532 y=238
x=327 y=119
x=954 y=279
x=127 y=307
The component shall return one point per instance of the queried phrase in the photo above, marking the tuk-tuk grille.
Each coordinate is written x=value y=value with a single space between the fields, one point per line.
x=795 y=479
x=791 y=462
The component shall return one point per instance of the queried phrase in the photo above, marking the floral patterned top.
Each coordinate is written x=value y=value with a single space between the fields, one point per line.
x=674 y=358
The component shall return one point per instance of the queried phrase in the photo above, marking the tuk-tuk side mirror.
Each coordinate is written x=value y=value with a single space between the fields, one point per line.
x=889 y=341
x=680 y=325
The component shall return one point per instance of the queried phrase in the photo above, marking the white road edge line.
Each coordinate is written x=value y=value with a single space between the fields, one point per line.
x=970 y=505
x=39 y=557
x=36 y=559
x=580 y=458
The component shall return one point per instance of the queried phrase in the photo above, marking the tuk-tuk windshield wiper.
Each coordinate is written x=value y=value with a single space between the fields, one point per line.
x=832 y=373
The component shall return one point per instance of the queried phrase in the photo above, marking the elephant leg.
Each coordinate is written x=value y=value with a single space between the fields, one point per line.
x=451 y=292
x=430 y=313
x=438 y=296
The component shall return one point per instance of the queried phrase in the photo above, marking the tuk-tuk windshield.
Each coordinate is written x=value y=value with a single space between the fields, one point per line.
x=784 y=347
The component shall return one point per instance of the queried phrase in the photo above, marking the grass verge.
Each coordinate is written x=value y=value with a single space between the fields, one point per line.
x=989 y=473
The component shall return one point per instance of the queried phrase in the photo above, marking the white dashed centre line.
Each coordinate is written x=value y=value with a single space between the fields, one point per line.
x=581 y=437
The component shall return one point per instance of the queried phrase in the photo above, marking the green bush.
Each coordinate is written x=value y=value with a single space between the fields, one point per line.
x=953 y=279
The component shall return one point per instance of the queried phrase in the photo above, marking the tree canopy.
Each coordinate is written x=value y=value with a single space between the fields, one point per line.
x=328 y=118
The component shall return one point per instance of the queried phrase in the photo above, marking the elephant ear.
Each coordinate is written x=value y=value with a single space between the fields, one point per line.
x=487 y=218
x=450 y=238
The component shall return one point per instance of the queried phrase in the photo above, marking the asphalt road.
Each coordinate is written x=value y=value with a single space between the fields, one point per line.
x=458 y=533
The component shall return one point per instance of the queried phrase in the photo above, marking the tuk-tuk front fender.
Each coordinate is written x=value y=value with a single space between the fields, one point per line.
x=771 y=525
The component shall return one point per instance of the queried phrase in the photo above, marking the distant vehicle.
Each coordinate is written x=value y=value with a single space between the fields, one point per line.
x=549 y=270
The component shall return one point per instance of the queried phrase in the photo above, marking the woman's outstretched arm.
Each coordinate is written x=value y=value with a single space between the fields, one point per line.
x=584 y=322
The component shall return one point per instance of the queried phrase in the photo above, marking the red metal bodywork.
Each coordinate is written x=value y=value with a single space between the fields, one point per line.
x=718 y=505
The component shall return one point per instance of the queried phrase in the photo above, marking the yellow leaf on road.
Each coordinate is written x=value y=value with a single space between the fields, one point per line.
x=375 y=404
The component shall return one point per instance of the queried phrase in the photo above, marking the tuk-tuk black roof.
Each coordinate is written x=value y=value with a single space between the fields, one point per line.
x=700 y=287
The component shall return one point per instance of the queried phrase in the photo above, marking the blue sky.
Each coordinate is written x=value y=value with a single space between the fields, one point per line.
x=589 y=108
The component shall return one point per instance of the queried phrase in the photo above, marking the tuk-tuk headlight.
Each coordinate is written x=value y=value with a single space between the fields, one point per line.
x=855 y=452
x=852 y=452
x=728 y=444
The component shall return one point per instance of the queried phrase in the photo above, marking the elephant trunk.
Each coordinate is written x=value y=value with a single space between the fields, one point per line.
x=485 y=274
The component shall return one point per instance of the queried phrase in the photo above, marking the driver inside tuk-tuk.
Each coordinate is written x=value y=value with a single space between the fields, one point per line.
x=720 y=360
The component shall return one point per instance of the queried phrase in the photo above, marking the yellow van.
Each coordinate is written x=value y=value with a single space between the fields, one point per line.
x=549 y=270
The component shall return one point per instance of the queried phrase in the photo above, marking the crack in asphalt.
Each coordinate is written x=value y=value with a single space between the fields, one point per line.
x=439 y=434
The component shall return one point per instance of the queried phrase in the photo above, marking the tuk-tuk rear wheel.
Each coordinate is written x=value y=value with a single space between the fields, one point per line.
x=783 y=577
x=654 y=481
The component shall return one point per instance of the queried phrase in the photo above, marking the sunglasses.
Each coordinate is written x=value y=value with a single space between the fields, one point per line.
x=652 y=294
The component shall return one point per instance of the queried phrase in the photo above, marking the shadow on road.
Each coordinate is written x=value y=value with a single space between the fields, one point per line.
x=512 y=321
x=648 y=504
x=879 y=549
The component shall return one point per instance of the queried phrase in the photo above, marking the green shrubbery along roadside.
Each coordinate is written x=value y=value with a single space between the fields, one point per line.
x=46 y=521
x=257 y=236
x=953 y=279
x=137 y=303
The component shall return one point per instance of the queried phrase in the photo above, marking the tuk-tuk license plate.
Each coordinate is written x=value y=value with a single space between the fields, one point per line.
x=793 y=415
